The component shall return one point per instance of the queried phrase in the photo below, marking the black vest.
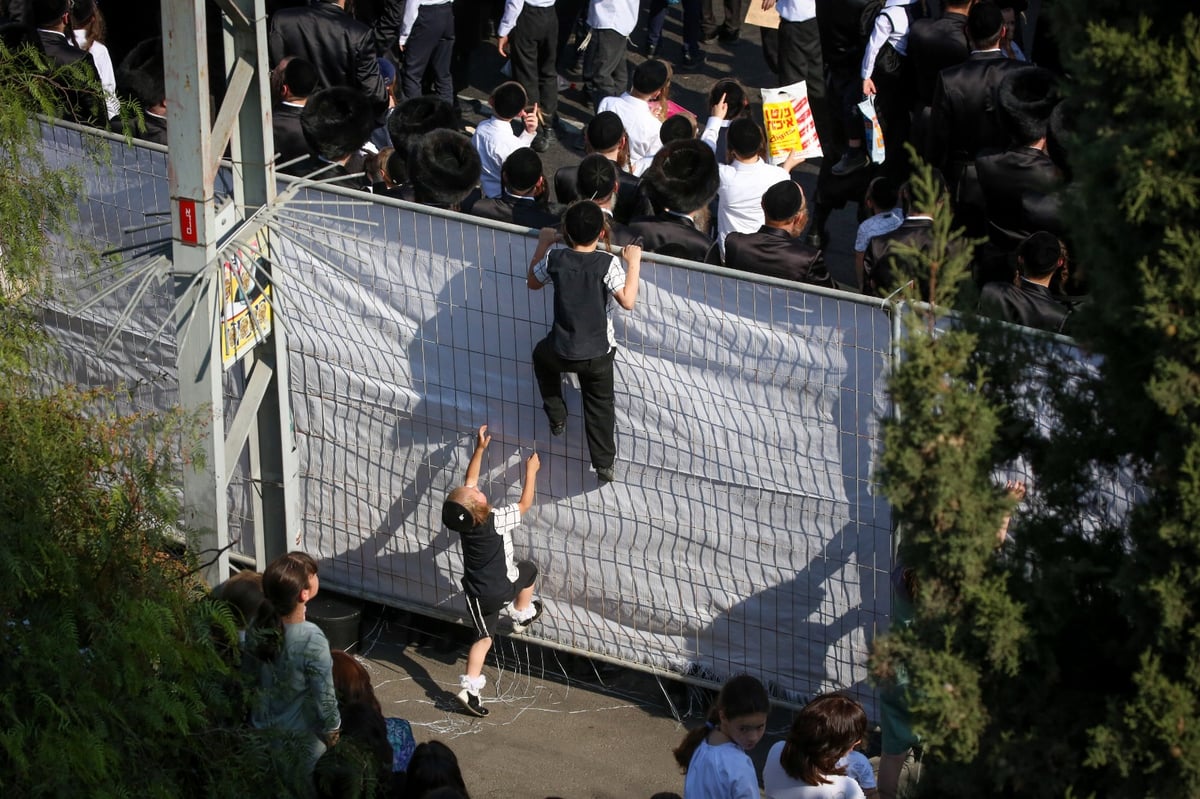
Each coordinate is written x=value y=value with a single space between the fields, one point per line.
x=580 y=327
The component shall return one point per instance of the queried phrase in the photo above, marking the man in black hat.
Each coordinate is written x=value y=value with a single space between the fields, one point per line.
x=604 y=135
x=411 y=120
x=297 y=79
x=336 y=123
x=522 y=199
x=963 y=120
x=339 y=47
x=83 y=99
x=1032 y=302
x=776 y=249
x=933 y=45
x=141 y=76
x=1021 y=185
x=444 y=170
x=681 y=182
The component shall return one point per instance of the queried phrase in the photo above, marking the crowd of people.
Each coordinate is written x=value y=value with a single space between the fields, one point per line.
x=369 y=94
x=333 y=740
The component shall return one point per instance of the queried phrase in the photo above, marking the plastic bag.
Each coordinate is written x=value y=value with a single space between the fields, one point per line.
x=874 y=131
x=789 y=123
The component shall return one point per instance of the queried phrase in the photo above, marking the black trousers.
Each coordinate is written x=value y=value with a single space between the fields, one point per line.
x=799 y=59
x=596 y=390
x=605 y=68
x=735 y=11
x=429 y=47
x=533 y=48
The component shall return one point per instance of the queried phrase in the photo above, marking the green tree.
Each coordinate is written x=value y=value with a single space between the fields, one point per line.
x=117 y=673
x=1069 y=662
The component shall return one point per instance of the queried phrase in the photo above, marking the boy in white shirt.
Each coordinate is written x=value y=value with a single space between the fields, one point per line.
x=494 y=138
x=650 y=80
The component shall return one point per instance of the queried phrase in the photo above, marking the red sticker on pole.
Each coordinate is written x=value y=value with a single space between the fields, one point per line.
x=188 y=224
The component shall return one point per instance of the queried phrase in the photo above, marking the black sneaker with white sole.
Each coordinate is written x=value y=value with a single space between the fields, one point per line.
x=472 y=703
x=522 y=626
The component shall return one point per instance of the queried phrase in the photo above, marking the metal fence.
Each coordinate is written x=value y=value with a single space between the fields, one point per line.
x=744 y=532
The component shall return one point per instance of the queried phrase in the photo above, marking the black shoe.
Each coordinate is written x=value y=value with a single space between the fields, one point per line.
x=544 y=138
x=557 y=428
x=851 y=162
x=708 y=36
x=606 y=474
x=651 y=50
x=727 y=36
x=522 y=626
x=471 y=703
x=692 y=60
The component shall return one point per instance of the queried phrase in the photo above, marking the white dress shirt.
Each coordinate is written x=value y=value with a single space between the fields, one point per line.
x=411 y=9
x=743 y=185
x=618 y=15
x=797 y=10
x=494 y=140
x=641 y=126
x=512 y=10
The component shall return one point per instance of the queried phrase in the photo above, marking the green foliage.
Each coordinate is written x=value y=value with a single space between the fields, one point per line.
x=1068 y=663
x=117 y=675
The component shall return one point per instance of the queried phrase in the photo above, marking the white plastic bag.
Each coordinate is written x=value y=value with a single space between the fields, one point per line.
x=789 y=123
x=874 y=131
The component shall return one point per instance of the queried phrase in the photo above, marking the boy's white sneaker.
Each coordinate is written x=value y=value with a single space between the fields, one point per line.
x=522 y=626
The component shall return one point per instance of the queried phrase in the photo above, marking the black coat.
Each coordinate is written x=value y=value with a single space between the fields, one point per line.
x=289 y=138
x=156 y=129
x=81 y=102
x=1020 y=192
x=566 y=190
x=839 y=24
x=963 y=119
x=884 y=270
x=1027 y=304
x=772 y=252
x=339 y=47
x=933 y=45
x=526 y=213
x=667 y=234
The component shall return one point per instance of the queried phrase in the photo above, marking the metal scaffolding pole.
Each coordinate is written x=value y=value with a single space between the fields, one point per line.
x=196 y=143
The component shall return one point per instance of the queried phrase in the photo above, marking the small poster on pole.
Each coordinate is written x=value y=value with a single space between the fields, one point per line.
x=245 y=300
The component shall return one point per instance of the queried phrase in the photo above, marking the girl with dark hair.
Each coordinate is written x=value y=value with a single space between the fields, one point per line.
x=714 y=756
x=295 y=668
x=805 y=764
x=433 y=767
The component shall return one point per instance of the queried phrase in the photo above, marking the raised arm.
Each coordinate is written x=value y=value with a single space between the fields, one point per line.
x=482 y=439
x=626 y=296
x=529 y=484
x=546 y=239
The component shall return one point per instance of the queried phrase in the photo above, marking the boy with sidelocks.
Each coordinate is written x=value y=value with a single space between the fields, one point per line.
x=586 y=282
x=491 y=579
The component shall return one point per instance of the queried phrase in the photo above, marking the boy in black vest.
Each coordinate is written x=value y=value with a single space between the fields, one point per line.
x=492 y=580
x=586 y=280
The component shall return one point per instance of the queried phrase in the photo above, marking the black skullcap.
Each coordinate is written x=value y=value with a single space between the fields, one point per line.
x=604 y=132
x=509 y=99
x=1026 y=99
x=783 y=201
x=1039 y=254
x=337 y=121
x=300 y=77
x=675 y=128
x=735 y=96
x=417 y=116
x=596 y=177
x=650 y=76
x=47 y=12
x=583 y=222
x=984 y=22
x=683 y=176
x=443 y=167
x=745 y=137
x=522 y=169
x=141 y=74
x=457 y=517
